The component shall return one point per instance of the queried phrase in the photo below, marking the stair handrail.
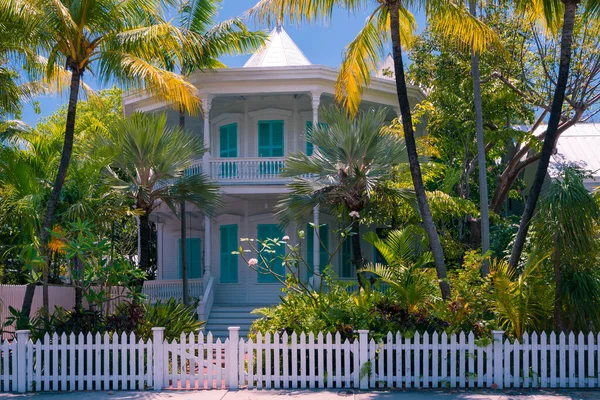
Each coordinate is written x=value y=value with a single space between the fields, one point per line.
x=206 y=303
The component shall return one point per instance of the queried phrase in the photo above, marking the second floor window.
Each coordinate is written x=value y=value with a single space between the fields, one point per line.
x=270 y=138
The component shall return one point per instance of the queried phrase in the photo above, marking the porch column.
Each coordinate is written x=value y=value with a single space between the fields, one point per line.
x=315 y=280
x=316 y=102
x=206 y=103
x=159 y=249
x=207 y=248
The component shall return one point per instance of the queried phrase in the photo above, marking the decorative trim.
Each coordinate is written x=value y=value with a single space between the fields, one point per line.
x=270 y=112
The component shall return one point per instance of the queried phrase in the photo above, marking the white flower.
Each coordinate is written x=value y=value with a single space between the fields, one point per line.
x=354 y=214
x=285 y=238
x=252 y=262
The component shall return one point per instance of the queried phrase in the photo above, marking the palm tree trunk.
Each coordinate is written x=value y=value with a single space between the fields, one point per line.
x=26 y=308
x=144 y=232
x=184 y=275
x=65 y=160
x=483 y=189
x=77 y=282
x=413 y=158
x=551 y=131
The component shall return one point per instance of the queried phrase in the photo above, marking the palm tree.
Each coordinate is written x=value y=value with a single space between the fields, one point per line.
x=122 y=41
x=197 y=18
x=483 y=189
x=390 y=21
x=147 y=161
x=351 y=159
x=549 y=11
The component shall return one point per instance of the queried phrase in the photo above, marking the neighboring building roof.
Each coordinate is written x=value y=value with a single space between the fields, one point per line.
x=580 y=145
x=278 y=51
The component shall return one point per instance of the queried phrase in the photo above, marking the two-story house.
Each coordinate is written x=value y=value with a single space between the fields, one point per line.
x=252 y=117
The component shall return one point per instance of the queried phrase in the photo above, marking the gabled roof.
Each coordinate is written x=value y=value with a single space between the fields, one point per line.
x=278 y=51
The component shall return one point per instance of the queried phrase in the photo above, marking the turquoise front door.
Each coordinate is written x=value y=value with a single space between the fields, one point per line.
x=193 y=258
x=323 y=254
x=229 y=262
x=274 y=260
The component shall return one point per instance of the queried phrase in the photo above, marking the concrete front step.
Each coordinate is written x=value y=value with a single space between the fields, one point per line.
x=223 y=316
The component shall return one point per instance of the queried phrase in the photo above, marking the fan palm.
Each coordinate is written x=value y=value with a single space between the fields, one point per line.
x=553 y=13
x=351 y=159
x=390 y=21
x=147 y=160
x=228 y=37
x=403 y=251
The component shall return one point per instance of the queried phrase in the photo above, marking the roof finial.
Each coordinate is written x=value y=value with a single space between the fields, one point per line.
x=279 y=22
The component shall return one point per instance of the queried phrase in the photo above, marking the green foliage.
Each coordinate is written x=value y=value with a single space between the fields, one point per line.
x=340 y=309
x=132 y=316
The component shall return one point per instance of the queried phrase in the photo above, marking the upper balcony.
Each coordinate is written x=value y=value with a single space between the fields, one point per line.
x=235 y=171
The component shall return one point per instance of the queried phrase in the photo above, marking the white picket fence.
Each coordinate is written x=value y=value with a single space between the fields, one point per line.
x=198 y=361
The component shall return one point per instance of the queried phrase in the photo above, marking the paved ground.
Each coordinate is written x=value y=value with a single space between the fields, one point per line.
x=321 y=395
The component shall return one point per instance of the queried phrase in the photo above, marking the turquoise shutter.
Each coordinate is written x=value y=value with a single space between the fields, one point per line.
x=229 y=262
x=264 y=139
x=323 y=254
x=270 y=231
x=277 y=138
x=228 y=141
x=346 y=267
x=194 y=258
x=309 y=145
x=228 y=149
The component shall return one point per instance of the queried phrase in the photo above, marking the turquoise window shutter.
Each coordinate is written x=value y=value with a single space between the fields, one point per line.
x=194 y=258
x=309 y=146
x=228 y=149
x=270 y=231
x=270 y=138
x=228 y=143
x=346 y=267
x=323 y=254
x=229 y=262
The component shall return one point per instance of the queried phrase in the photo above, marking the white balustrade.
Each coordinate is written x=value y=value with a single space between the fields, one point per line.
x=162 y=290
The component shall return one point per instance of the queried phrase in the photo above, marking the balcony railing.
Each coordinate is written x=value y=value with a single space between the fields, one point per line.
x=162 y=290
x=235 y=170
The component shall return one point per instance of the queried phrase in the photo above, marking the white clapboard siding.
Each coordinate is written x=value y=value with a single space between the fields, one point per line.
x=120 y=361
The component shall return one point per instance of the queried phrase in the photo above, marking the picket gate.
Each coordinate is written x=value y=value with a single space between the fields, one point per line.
x=120 y=361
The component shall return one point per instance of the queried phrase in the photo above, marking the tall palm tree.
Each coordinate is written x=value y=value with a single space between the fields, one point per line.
x=147 y=160
x=122 y=41
x=483 y=189
x=197 y=18
x=351 y=159
x=390 y=21
x=552 y=12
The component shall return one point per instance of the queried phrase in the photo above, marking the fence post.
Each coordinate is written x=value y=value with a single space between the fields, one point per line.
x=363 y=357
x=498 y=359
x=231 y=377
x=20 y=359
x=158 y=337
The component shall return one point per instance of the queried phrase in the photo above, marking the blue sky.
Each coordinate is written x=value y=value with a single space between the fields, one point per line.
x=321 y=44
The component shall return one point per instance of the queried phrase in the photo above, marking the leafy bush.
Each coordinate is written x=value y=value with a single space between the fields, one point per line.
x=133 y=316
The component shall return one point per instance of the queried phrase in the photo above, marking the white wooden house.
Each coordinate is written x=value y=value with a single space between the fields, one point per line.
x=252 y=117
